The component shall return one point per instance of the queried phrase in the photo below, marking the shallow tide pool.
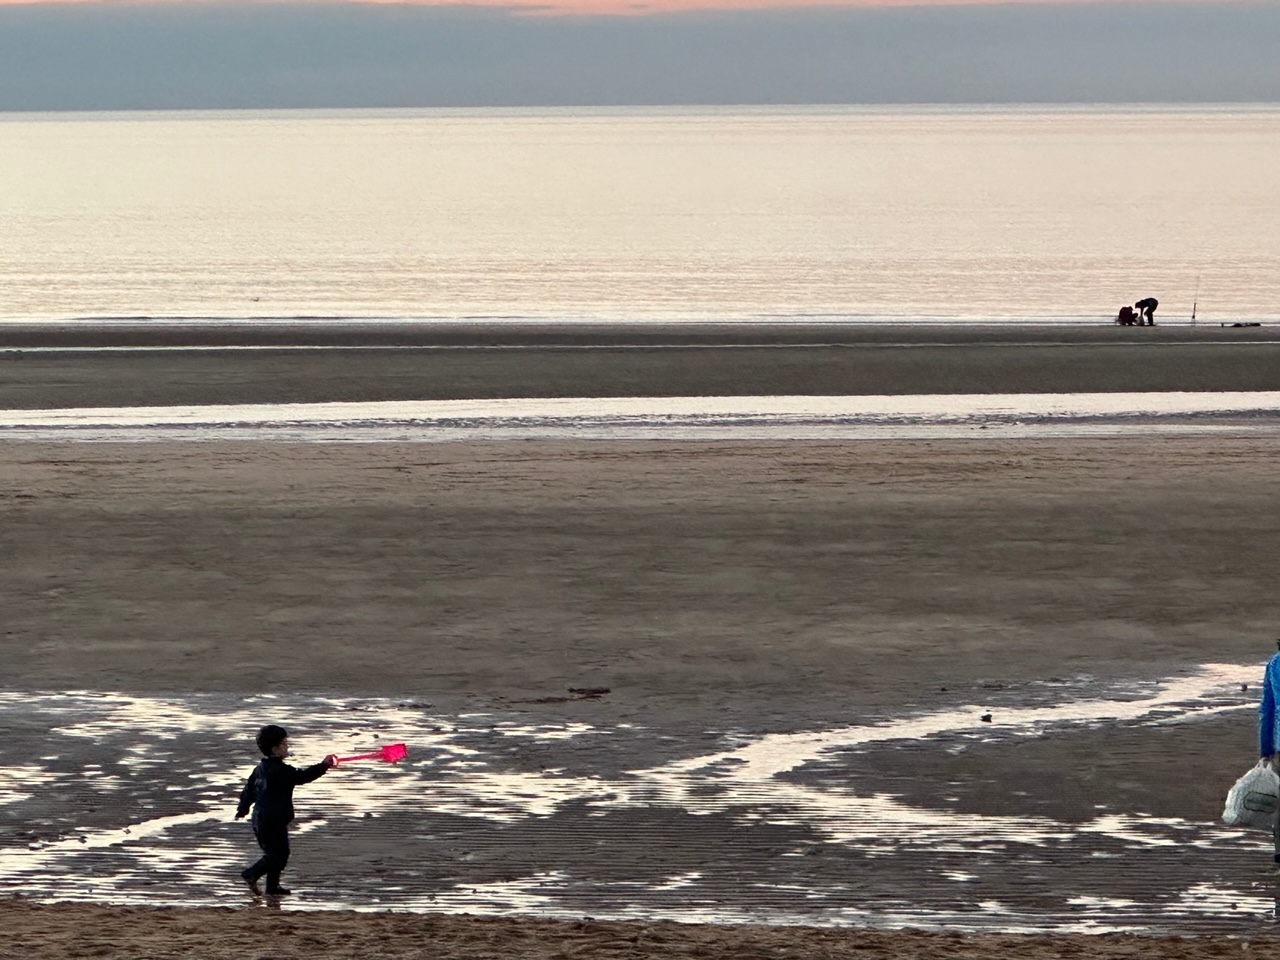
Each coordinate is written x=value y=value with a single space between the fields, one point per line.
x=107 y=797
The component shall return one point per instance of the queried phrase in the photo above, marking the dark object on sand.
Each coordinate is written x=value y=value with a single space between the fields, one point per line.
x=985 y=718
x=579 y=693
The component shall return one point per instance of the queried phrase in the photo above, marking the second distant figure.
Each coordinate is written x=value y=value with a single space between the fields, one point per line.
x=1147 y=310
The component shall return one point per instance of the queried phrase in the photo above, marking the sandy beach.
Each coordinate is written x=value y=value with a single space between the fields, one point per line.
x=68 y=930
x=696 y=578
x=711 y=587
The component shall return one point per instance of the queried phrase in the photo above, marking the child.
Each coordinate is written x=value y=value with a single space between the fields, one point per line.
x=270 y=792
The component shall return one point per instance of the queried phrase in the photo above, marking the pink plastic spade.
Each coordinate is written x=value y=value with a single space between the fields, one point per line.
x=391 y=753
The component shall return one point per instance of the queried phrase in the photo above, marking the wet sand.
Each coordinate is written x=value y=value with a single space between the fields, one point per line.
x=157 y=364
x=794 y=580
x=710 y=586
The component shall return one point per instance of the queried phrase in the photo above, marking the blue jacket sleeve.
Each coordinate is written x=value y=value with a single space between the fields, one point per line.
x=1267 y=709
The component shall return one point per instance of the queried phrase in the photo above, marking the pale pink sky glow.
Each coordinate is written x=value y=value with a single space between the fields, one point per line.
x=304 y=54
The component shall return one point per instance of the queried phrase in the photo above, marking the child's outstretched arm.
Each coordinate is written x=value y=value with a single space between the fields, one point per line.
x=313 y=772
x=248 y=795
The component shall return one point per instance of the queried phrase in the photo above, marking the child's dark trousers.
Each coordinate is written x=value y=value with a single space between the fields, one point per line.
x=274 y=841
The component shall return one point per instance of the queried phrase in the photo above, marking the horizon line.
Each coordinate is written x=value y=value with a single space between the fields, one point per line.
x=613 y=8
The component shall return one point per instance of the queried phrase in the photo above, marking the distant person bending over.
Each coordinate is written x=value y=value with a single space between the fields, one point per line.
x=269 y=791
x=1125 y=319
x=1269 y=724
x=1147 y=310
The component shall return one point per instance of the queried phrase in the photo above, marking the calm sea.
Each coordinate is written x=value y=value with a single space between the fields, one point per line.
x=721 y=214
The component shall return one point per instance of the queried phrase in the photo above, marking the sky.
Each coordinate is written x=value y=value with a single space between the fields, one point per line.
x=224 y=55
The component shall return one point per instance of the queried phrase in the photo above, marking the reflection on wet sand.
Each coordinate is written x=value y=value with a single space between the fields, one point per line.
x=663 y=418
x=126 y=799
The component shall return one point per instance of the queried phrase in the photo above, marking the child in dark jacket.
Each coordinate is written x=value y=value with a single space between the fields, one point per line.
x=269 y=791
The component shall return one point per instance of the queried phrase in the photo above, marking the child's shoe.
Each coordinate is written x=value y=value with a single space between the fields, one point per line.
x=252 y=883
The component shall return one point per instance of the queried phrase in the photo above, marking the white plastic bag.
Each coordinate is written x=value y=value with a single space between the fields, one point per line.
x=1255 y=799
